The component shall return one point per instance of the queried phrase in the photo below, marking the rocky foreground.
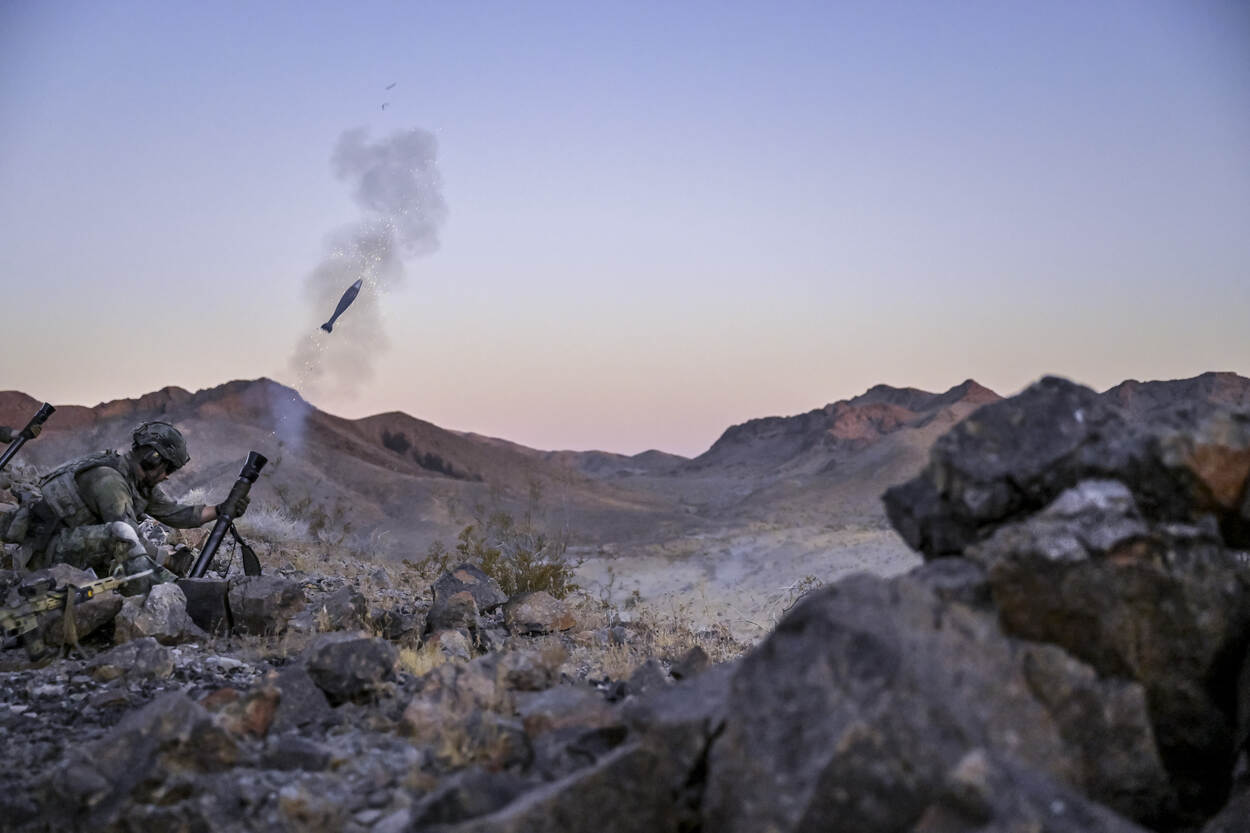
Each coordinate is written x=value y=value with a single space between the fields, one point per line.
x=1071 y=657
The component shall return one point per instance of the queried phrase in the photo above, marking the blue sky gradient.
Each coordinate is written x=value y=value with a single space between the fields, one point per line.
x=663 y=218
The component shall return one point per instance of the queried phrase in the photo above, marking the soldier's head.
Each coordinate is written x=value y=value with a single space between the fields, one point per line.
x=159 y=450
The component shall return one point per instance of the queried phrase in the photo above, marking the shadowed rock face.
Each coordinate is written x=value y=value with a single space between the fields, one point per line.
x=853 y=712
x=1117 y=536
x=1012 y=458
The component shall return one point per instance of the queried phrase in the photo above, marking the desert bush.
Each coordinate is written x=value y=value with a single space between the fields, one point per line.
x=518 y=555
x=272 y=524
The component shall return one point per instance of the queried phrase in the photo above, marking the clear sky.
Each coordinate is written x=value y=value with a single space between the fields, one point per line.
x=661 y=218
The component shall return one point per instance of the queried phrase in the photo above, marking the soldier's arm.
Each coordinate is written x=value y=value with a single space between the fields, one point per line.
x=178 y=515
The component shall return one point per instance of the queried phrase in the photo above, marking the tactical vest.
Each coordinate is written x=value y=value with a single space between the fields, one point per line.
x=60 y=486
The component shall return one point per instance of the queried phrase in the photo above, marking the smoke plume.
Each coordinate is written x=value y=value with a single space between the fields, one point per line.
x=397 y=186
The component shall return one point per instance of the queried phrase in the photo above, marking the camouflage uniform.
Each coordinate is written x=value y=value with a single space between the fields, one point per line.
x=82 y=500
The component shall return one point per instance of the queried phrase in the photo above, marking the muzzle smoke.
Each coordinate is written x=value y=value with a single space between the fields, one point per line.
x=397 y=186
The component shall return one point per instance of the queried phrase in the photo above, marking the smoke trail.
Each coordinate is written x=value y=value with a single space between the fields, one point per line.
x=397 y=186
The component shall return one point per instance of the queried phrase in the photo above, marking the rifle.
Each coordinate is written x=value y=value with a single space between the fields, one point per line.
x=40 y=417
x=225 y=522
x=44 y=597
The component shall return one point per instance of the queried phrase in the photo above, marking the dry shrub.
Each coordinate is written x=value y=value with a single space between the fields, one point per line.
x=422 y=660
x=518 y=555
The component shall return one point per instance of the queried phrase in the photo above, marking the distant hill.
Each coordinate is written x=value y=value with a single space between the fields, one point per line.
x=395 y=477
x=811 y=441
x=389 y=473
x=1219 y=388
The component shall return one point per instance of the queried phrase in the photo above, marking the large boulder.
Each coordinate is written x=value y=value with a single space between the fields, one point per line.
x=301 y=704
x=161 y=614
x=1166 y=605
x=851 y=714
x=98 y=782
x=985 y=795
x=1013 y=457
x=537 y=612
x=138 y=659
x=341 y=609
x=649 y=783
x=264 y=605
x=460 y=595
x=448 y=696
x=350 y=668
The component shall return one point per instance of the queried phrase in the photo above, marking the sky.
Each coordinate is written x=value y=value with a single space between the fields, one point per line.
x=641 y=222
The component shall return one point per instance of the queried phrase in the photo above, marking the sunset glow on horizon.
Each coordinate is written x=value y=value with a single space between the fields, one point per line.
x=660 y=219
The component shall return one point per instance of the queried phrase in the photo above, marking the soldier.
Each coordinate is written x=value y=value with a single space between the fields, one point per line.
x=91 y=506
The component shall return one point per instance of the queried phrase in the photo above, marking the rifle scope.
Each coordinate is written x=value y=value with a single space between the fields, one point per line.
x=251 y=471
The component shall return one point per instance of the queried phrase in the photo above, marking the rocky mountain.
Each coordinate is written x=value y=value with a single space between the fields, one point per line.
x=395 y=476
x=387 y=475
x=812 y=441
x=1140 y=398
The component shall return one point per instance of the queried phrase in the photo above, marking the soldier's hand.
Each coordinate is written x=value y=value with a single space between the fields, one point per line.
x=32 y=431
x=236 y=511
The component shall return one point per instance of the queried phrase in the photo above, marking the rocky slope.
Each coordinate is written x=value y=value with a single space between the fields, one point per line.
x=389 y=475
x=1072 y=656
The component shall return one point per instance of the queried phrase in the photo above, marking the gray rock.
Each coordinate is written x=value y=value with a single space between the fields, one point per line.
x=561 y=752
x=850 y=714
x=650 y=784
x=1013 y=457
x=396 y=822
x=468 y=578
x=955 y=580
x=301 y=704
x=693 y=662
x=562 y=707
x=264 y=604
x=98 y=781
x=161 y=614
x=453 y=644
x=1168 y=607
x=142 y=658
x=649 y=676
x=454 y=612
x=397 y=623
x=981 y=794
x=468 y=794
x=291 y=752
x=537 y=612
x=352 y=668
x=343 y=609
x=531 y=670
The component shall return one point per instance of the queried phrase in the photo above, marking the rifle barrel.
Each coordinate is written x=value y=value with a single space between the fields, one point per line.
x=40 y=417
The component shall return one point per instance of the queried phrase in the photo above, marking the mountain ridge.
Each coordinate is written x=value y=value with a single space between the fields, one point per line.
x=397 y=473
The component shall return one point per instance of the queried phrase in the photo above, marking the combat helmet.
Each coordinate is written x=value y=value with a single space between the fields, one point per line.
x=166 y=440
